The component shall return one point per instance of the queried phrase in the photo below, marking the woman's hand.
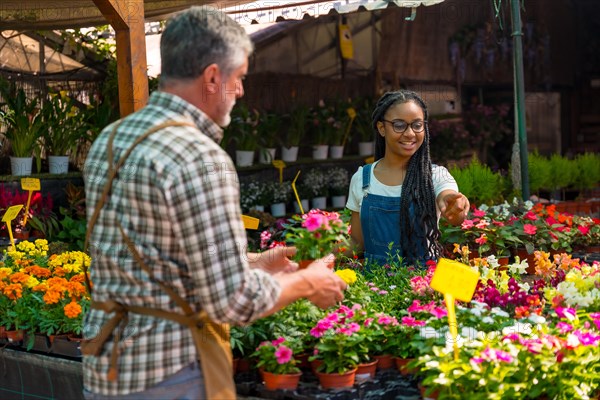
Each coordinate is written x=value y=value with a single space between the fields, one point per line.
x=274 y=260
x=454 y=206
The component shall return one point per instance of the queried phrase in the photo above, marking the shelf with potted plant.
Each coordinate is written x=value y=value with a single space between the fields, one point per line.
x=65 y=126
x=24 y=127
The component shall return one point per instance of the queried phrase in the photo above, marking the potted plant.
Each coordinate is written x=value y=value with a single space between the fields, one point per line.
x=363 y=126
x=338 y=186
x=317 y=181
x=343 y=114
x=23 y=127
x=277 y=364
x=298 y=118
x=324 y=126
x=340 y=348
x=244 y=133
x=65 y=127
x=279 y=196
x=316 y=234
x=269 y=128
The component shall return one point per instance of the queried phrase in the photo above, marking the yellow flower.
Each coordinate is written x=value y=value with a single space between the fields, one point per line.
x=31 y=282
x=347 y=275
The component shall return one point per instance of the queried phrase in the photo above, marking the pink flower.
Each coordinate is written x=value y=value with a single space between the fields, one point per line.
x=315 y=221
x=382 y=292
x=316 y=332
x=410 y=321
x=482 y=224
x=439 y=312
x=481 y=239
x=498 y=223
x=368 y=321
x=563 y=327
x=416 y=307
x=277 y=342
x=283 y=354
x=530 y=216
x=384 y=320
x=564 y=312
x=478 y=213
x=529 y=229
x=467 y=224
x=583 y=229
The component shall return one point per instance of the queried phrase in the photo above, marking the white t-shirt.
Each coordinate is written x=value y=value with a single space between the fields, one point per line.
x=442 y=180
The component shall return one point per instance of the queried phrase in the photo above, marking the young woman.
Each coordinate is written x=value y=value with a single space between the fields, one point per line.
x=396 y=201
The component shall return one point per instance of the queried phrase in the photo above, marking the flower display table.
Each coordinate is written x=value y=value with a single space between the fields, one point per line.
x=27 y=375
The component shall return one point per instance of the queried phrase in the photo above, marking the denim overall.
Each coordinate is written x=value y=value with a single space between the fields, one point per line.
x=380 y=221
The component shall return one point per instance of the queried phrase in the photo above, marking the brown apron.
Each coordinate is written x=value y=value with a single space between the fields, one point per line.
x=211 y=339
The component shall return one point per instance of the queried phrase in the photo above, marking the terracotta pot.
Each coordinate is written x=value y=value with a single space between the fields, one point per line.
x=401 y=364
x=503 y=262
x=366 y=370
x=425 y=396
x=15 y=336
x=336 y=381
x=51 y=338
x=235 y=365
x=592 y=249
x=281 y=381
x=302 y=264
x=21 y=234
x=386 y=361
x=243 y=365
x=2 y=332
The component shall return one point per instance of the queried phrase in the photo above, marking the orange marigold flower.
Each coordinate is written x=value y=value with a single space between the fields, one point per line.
x=75 y=289
x=59 y=271
x=73 y=309
x=38 y=272
x=42 y=287
x=13 y=291
x=52 y=296
x=19 y=277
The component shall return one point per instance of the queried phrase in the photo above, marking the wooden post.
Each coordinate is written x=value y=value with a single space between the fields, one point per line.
x=127 y=19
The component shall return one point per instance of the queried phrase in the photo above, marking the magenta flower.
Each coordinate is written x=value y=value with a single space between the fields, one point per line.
x=583 y=229
x=410 y=321
x=283 y=354
x=530 y=216
x=315 y=221
x=481 y=239
x=564 y=312
x=384 y=320
x=563 y=327
x=478 y=213
x=316 y=332
x=278 y=341
x=439 y=312
x=416 y=307
x=529 y=229
x=368 y=321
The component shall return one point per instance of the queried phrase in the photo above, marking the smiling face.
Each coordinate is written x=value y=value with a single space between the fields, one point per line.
x=402 y=145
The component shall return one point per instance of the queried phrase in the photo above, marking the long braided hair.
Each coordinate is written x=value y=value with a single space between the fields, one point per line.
x=419 y=231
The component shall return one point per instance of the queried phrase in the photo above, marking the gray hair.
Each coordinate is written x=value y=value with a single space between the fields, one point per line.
x=199 y=37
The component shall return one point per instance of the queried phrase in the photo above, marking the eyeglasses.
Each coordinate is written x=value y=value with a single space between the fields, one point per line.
x=401 y=126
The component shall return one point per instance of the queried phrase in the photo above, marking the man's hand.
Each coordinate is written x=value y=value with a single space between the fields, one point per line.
x=327 y=287
x=453 y=206
x=274 y=260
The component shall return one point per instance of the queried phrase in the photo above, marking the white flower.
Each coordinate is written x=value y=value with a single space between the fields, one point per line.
x=487 y=320
x=432 y=364
x=537 y=319
x=492 y=261
x=524 y=329
x=499 y=312
x=518 y=268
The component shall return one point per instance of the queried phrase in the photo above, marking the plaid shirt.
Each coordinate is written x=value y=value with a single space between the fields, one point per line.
x=177 y=198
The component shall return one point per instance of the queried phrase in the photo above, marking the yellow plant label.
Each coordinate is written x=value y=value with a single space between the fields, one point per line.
x=351 y=112
x=11 y=213
x=30 y=184
x=280 y=165
x=296 y=192
x=454 y=278
x=369 y=160
x=250 y=222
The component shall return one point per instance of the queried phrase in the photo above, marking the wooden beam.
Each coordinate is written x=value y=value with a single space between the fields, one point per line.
x=127 y=18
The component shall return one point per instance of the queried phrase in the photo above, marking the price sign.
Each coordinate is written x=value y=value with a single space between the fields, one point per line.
x=280 y=165
x=250 y=222
x=456 y=281
x=8 y=216
x=31 y=185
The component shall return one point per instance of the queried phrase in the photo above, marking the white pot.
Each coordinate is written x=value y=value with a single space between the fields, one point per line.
x=258 y=208
x=338 y=201
x=366 y=148
x=278 y=210
x=266 y=156
x=336 y=152
x=58 y=164
x=305 y=207
x=21 y=166
x=320 y=151
x=244 y=158
x=289 y=154
x=319 y=202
